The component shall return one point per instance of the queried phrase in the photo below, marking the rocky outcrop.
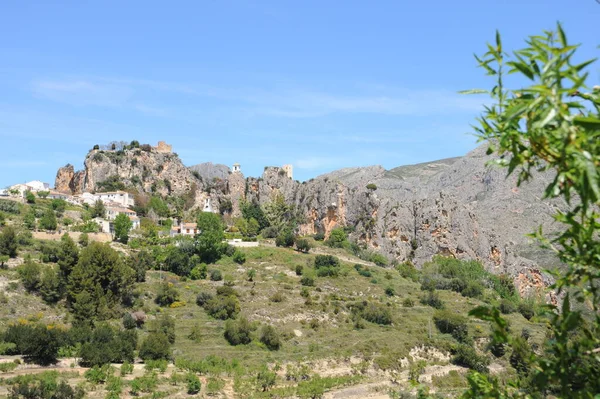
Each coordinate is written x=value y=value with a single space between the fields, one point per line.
x=64 y=179
x=209 y=171
x=458 y=207
x=146 y=170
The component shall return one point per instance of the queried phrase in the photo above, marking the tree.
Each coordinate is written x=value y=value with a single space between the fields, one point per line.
x=8 y=242
x=68 y=255
x=48 y=220
x=29 y=197
x=167 y=294
x=554 y=126
x=237 y=332
x=122 y=226
x=209 y=242
x=303 y=245
x=285 y=239
x=50 y=285
x=140 y=262
x=30 y=274
x=155 y=347
x=270 y=337
x=98 y=210
x=29 y=219
x=159 y=206
x=103 y=275
x=337 y=238
x=107 y=345
x=252 y=210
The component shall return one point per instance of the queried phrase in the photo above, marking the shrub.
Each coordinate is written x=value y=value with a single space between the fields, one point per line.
x=408 y=303
x=193 y=383
x=8 y=242
x=167 y=294
x=237 y=332
x=527 y=310
x=30 y=273
x=377 y=313
x=299 y=270
x=202 y=298
x=97 y=374
x=327 y=265
x=507 y=306
x=155 y=346
x=251 y=274
x=277 y=297
x=223 y=308
x=106 y=345
x=319 y=237
x=36 y=342
x=337 y=238
x=307 y=281
x=266 y=378
x=285 y=239
x=389 y=291
x=199 y=272
x=371 y=187
x=379 y=259
x=451 y=323
x=215 y=275
x=165 y=325
x=303 y=245
x=239 y=257
x=432 y=299
x=270 y=337
x=408 y=271
x=466 y=356
x=472 y=290
x=129 y=322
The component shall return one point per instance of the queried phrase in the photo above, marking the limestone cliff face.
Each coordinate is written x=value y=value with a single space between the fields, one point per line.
x=146 y=170
x=64 y=178
x=458 y=207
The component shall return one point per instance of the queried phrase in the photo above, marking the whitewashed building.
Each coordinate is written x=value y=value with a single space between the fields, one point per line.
x=120 y=197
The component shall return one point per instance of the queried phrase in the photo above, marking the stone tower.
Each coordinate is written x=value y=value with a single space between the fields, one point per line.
x=289 y=171
x=164 y=147
x=236 y=168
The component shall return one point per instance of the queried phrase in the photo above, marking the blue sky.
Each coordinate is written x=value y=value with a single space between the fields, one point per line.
x=318 y=84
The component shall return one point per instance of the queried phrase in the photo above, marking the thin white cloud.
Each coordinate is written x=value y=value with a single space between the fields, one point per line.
x=284 y=102
x=82 y=92
x=7 y=163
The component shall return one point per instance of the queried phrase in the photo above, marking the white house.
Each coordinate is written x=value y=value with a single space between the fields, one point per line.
x=36 y=185
x=58 y=195
x=135 y=222
x=112 y=212
x=185 y=229
x=120 y=197
x=207 y=206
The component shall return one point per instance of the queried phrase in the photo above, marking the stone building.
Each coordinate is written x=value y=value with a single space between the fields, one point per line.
x=164 y=147
x=289 y=171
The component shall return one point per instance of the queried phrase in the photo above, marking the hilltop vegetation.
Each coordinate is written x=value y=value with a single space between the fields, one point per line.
x=248 y=321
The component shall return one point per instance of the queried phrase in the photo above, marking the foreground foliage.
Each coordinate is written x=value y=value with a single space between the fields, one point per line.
x=551 y=126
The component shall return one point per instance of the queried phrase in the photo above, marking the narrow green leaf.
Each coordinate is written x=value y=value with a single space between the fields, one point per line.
x=561 y=35
x=587 y=122
x=521 y=67
x=473 y=91
x=579 y=67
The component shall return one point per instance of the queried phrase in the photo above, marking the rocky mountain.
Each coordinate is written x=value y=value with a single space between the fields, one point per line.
x=209 y=171
x=142 y=168
x=459 y=207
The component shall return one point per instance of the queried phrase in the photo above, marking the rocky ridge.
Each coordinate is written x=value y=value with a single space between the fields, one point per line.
x=459 y=207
